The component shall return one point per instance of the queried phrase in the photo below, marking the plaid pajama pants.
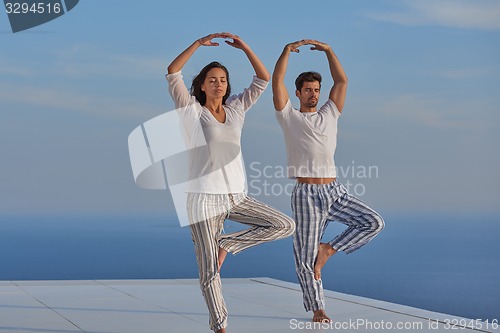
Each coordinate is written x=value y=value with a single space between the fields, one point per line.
x=314 y=207
x=208 y=212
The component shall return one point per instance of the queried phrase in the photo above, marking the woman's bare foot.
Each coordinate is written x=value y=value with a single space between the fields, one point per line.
x=321 y=317
x=324 y=253
x=222 y=257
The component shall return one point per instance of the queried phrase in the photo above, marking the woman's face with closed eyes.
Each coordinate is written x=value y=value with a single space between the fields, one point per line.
x=215 y=84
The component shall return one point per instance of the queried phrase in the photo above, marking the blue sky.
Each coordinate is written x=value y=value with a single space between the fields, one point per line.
x=422 y=106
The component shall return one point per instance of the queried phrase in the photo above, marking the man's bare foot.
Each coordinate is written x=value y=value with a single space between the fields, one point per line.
x=321 y=317
x=222 y=257
x=324 y=253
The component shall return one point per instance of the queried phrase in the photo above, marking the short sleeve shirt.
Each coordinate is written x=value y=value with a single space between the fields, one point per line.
x=311 y=140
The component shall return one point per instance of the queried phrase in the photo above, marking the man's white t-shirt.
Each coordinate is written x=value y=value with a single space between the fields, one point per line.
x=311 y=140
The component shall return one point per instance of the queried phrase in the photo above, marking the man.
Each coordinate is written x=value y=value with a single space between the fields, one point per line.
x=318 y=198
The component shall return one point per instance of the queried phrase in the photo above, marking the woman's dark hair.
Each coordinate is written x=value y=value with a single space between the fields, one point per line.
x=309 y=77
x=200 y=78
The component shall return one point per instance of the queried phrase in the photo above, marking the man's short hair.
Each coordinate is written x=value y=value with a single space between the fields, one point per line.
x=309 y=77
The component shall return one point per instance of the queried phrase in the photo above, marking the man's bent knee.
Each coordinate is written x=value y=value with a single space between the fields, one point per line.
x=378 y=224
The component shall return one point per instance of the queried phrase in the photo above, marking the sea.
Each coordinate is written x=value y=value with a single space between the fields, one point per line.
x=443 y=263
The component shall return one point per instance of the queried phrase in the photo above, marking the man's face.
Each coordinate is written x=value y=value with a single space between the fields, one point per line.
x=309 y=94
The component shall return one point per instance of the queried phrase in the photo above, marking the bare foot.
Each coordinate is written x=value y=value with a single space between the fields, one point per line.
x=321 y=317
x=324 y=253
x=222 y=257
x=222 y=330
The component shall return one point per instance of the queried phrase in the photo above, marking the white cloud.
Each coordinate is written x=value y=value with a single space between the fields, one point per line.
x=88 y=61
x=475 y=14
x=82 y=61
x=468 y=73
x=52 y=97
x=434 y=112
x=18 y=71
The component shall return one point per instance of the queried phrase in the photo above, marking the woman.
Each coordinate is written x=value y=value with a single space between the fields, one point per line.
x=217 y=189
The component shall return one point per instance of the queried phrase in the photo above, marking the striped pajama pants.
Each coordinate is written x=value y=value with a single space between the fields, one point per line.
x=208 y=212
x=314 y=207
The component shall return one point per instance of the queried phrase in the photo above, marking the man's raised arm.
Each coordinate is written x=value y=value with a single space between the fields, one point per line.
x=339 y=89
x=280 y=94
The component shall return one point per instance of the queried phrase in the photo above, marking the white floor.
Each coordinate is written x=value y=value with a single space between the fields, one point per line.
x=150 y=306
